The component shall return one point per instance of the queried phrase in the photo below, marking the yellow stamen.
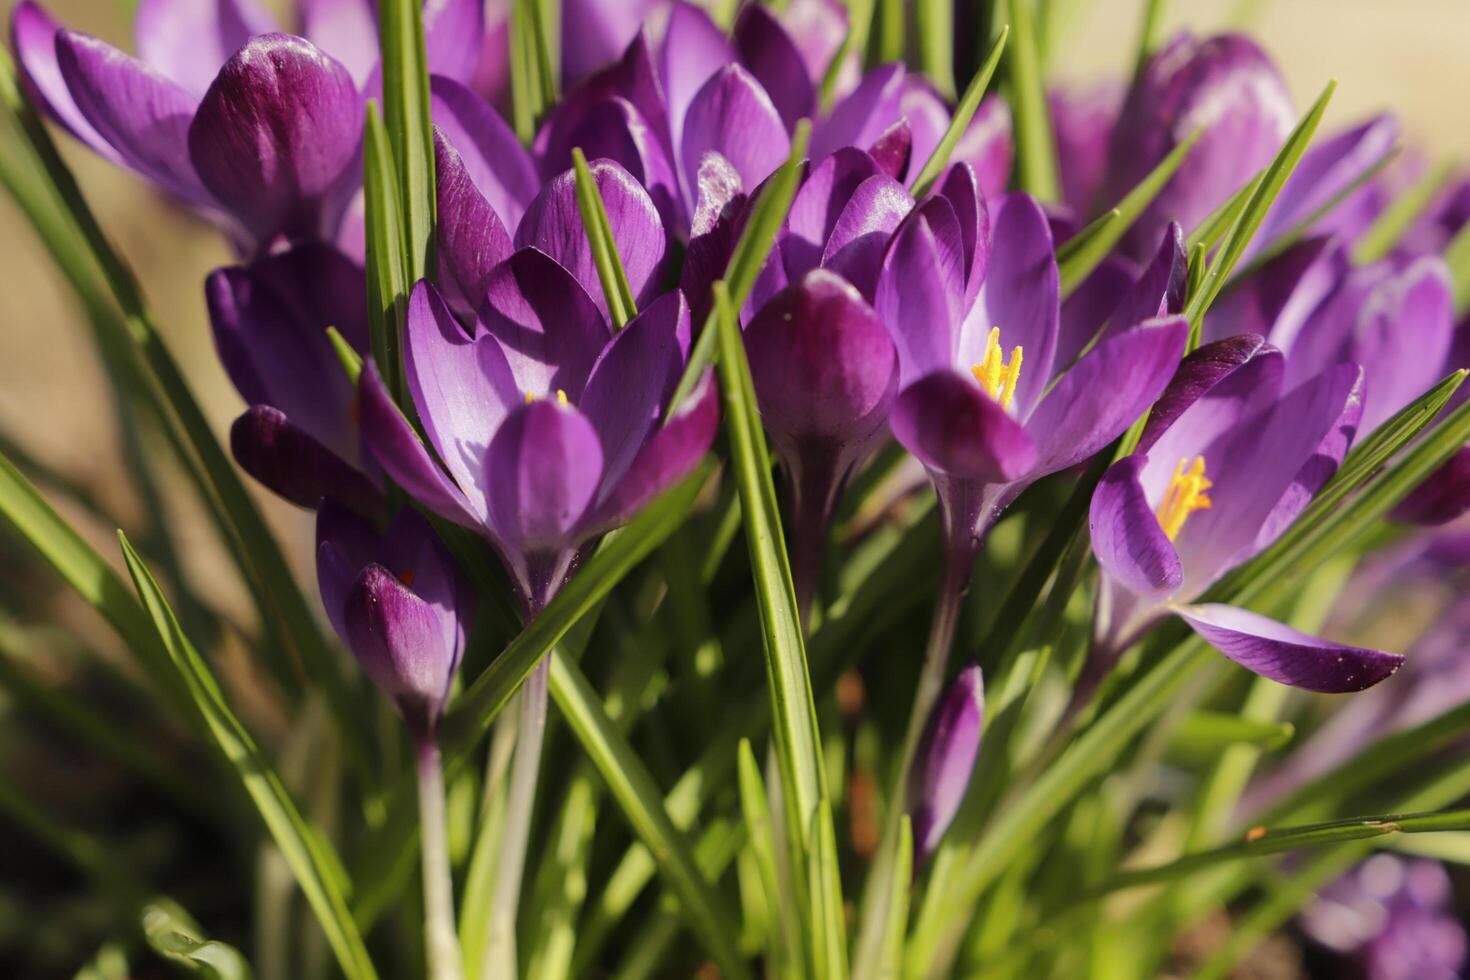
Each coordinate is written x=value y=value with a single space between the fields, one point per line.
x=561 y=396
x=996 y=376
x=1186 y=494
x=530 y=397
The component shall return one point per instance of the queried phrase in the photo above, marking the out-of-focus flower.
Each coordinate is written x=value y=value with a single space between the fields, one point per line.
x=1082 y=121
x=299 y=437
x=946 y=760
x=1225 y=86
x=398 y=603
x=258 y=131
x=547 y=423
x=1392 y=918
x=1226 y=462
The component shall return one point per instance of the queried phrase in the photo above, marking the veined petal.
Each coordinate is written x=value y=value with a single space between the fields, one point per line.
x=1215 y=386
x=345 y=544
x=734 y=117
x=860 y=237
x=296 y=467
x=947 y=759
x=1129 y=544
x=1091 y=306
x=542 y=473
x=594 y=34
x=893 y=152
x=953 y=427
x=33 y=39
x=1277 y=299
x=1282 y=654
x=768 y=52
x=920 y=289
x=188 y=40
x=863 y=116
x=615 y=130
x=399 y=640
x=492 y=156
x=454 y=33
x=345 y=29
x=472 y=238
x=693 y=50
x=819 y=203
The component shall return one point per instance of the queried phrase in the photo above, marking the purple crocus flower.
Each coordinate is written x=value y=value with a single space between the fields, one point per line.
x=545 y=420
x=987 y=424
x=1225 y=85
x=299 y=436
x=946 y=760
x=1390 y=918
x=256 y=130
x=398 y=603
x=1226 y=462
x=1082 y=122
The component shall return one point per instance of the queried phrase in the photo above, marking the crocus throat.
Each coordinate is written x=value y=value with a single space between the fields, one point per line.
x=1186 y=494
x=998 y=377
x=561 y=397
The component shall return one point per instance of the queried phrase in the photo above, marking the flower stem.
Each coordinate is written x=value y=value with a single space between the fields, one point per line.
x=440 y=939
x=500 y=944
x=815 y=488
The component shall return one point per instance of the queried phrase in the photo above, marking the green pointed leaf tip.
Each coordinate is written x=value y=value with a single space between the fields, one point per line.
x=964 y=112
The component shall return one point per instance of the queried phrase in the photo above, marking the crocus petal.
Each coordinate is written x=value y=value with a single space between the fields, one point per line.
x=667 y=457
x=768 y=52
x=33 y=39
x=542 y=471
x=553 y=224
x=1277 y=299
x=399 y=640
x=947 y=759
x=594 y=34
x=412 y=551
x=733 y=116
x=615 y=130
x=463 y=389
x=920 y=288
x=1443 y=496
x=988 y=148
x=549 y=327
x=693 y=49
x=294 y=466
x=472 y=238
x=345 y=544
x=953 y=427
x=961 y=188
x=817 y=28
x=1216 y=385
x=1089 y=310
x=345 y=29
x=188 y=41
x=1129 y=544
x=893 y=152
x=863 y=116
x=632 y=378
x=278 y=137
x=819 y=203
x=1106 y=392
x=927 y=116
x=454 y=31
x=1282 y=654
x=1082 y=120
x=1159 y=291
x=397 y=449
x=858 y=240
x=823 y=365
x=142 y=115
x=492 y=156
x=1021 y=296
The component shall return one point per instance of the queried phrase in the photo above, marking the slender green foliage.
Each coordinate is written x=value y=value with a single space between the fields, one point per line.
x=960 y=122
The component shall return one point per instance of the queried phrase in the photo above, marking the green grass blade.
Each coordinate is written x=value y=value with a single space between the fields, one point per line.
x=620 y=302
x=387 y=252
x=179 y=942
x=760 y=838
x=891 y=29
x=1204 y=734
x=1262 y=195
x=1213 y=228
x=350 y=359
x=1148 y=33
x=859 y=24
x=306 y=852
x=1082 y=254
x=1036 y=151
x=798 y=744
x=829 y=930
x=934 y=23
x=410 y=132
x=634 y=789
x=1384 y=234
x=1457 y=257
x=756 y=240
x=890 y=959
x=960 y=122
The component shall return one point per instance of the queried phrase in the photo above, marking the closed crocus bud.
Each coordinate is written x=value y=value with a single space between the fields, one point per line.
x=1225 y=86
x=398 y=603
x=946 y=760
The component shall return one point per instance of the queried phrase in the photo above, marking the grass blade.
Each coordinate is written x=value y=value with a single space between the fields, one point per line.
x=829 y=931
x=634 y=789
x=960 y=122
x=1036 y=151
x=317 y=870
x=387 y=252
x=620 y=302
x=1457 y=257
x=934 y=23
x=1384 y=234
x=410 y=132
x=1148 y=33
x=179 y=942
x=1079 y=256
x=760 y=837
x=1262 y=195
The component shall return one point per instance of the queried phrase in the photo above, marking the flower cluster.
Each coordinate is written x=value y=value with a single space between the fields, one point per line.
x=926 y=323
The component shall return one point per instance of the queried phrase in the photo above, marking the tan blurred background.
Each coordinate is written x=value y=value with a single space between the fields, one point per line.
x=1412 y=56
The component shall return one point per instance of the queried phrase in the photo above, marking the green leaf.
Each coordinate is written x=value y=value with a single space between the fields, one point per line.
x=760 y=838
x=470 y=716
x=306 y=852
x=1384 y=234
x=934 y=23
x=798 y=744
x=1036 y=152
x=828 y=928
x=634 y=789
x=1457 y=257
x=179 y=941
x=1085 y=250
x=963 y=113
x=387 y=252
x=756 y=240
x=349 y=358
x=1209 y=231
x=620 y=301
x=1262 y=196
x=859 y=24
x=1206 y=733
x=533 y=76
x=410 y=131
x=891 y=957
x=1148 y=33
x=890 y=38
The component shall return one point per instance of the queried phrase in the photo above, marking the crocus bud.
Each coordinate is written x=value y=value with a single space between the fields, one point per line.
x=398 y=603
x=946 y=760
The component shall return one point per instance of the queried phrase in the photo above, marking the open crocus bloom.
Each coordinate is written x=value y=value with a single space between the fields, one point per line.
x=398 y=603
x=1226 y=463
x=299 y=437
x=259 y=131
x=546 y=421
x=984 y=403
